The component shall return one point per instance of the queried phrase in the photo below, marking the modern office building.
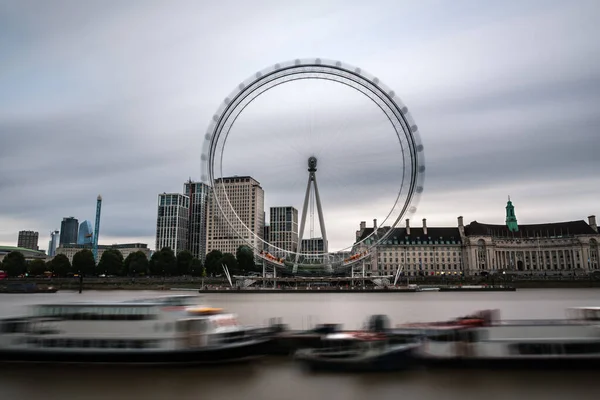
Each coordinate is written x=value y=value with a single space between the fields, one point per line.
x=283 y=228
x=172 y=223
x=69 y=228
x=266 y=236
x=86 y=233
x=28 y=240
x=312 y=246
x=53 y=243
x=246 y=200
x=199 y=194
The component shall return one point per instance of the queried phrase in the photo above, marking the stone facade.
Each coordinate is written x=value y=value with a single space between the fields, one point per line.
x=561 y=248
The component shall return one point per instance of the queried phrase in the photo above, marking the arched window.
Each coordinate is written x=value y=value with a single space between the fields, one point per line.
x=481 y=254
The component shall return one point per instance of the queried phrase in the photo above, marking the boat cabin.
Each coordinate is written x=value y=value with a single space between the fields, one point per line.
x=584 y=313
x=166 y=323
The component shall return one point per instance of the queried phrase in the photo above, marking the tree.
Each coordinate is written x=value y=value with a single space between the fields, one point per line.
x=14 y=264
x=231 y=263
x=37 y=267
x=245 y=259
x=84 y=263
x=196 y=268
x=61 y=265
x=212 y=263
x=136 y=263
x=111 y=262
x=163 y=262
x=184 y=262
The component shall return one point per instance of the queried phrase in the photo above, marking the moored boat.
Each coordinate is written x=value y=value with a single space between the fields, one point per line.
x=361 y=351
x=27 y=287
x=167 y=330
x=483 y=340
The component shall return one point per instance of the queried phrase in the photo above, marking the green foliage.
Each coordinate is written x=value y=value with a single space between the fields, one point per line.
x=163 y=262
x=136 y=263
x=111 y=262
x=37 y=267
x=229 y=260
x=83 y=262
x=14 y=264
x=212 y=263
x=60 y=265
x=184 y=263
x=196 y=268
x=245 y=259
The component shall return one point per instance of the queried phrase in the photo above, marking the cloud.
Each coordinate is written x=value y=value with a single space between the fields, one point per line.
x=115 y=100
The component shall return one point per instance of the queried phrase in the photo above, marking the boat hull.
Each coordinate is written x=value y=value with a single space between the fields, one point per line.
x=555 y=363
x=392 y=360
x=207 y=355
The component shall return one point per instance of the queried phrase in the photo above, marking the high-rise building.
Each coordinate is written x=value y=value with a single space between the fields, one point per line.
x=86 y=233
x=313 y=246
x=266 y=236
x=248 y=202
x=28 y=240
x=68 y=230
x=172 y=223
x=283 y=228
x=198 y=194
x=53 y=244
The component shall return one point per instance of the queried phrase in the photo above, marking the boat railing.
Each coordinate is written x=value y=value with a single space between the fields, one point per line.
x=540 y=322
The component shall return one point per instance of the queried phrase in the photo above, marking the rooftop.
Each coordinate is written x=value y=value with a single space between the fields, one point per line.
x=400 y=235
x=8 y=249
x=554 y=229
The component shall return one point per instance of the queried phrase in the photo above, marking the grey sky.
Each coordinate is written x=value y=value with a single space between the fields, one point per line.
x=113 y=97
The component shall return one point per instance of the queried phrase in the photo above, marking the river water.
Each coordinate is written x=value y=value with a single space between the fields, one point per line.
x=280 y=379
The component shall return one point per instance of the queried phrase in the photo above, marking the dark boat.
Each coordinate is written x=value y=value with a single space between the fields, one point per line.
x=28 y=287
x=370 y=350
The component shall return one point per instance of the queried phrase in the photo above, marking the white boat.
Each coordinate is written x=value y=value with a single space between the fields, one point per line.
x=484 y=340
x=170 y=329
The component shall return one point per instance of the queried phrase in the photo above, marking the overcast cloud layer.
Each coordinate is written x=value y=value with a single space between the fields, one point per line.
x=113 y=97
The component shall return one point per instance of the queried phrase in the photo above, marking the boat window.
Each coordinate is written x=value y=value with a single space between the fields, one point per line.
x=550 y=348
x=95 y=313
x=444 y=337
x=581 y=348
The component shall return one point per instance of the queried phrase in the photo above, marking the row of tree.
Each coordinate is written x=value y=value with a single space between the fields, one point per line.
x=162 y=263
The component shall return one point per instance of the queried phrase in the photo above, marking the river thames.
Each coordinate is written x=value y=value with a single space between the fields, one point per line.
x=277 y=378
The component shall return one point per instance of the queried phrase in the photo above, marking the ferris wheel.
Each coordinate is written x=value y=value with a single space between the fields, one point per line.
x=408 y=166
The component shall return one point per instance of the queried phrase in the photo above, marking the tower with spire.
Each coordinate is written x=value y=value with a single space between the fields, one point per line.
x=511 y=219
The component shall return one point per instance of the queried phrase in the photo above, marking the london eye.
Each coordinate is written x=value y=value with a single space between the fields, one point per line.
x=311 y=166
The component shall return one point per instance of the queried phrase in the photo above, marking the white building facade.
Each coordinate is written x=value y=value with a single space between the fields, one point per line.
x=559 y=248
x=417 y=251
x=125 y=249
x=241 y=197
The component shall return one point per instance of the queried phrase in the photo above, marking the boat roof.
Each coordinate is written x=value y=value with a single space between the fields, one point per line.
x=156 y=301
x=358 y=335
x=434 y=326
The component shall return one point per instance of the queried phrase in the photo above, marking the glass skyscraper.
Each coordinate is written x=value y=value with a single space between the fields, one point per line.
x=86 y=233
x=68 y=230
x=198 y=194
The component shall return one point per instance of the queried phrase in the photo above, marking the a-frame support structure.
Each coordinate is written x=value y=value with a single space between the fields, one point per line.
x=312 y=183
